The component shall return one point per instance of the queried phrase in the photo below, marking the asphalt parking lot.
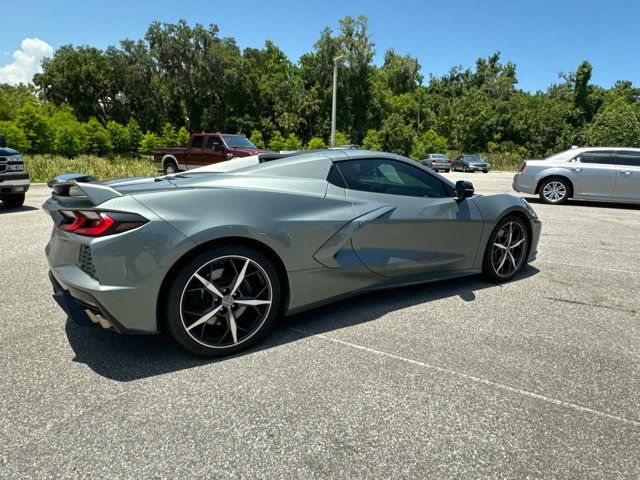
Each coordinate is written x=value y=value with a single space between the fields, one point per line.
x=536 y=378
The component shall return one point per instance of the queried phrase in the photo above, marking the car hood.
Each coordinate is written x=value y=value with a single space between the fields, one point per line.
x=6 y=151
x=247 y=151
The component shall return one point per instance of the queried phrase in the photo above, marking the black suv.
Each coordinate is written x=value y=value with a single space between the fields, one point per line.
x=14 y=180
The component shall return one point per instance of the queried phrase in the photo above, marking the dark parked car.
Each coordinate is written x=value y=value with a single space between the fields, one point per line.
x=470 y=163
x=14 y=180
x=204 y=149
x=437 y=162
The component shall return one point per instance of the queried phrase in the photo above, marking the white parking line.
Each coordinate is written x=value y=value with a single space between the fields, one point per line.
x=473 y=378
x=589 y=266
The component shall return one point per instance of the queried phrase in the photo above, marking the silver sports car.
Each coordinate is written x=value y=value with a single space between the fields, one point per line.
x=215 y=255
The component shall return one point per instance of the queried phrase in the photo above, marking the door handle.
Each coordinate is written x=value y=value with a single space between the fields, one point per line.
x=626 y=172
x=576 y=169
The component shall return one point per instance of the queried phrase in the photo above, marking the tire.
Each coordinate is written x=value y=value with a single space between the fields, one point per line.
x=170 y=167
x=501 y=264
x=13 y=200
x=446 y=171
x=202 y=321
x=485 y=171
x=554 y=191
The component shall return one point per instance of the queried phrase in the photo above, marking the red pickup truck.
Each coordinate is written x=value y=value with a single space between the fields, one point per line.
x=204 y=149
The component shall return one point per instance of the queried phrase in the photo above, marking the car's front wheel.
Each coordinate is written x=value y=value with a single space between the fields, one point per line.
x=223 y=301
x=554 y=190
x=507 y=249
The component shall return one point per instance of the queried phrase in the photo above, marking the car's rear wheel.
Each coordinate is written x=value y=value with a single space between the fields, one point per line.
x=223 y=301
x=507 y=249
x=170 y=167
x=554 y=190
x=13 y=200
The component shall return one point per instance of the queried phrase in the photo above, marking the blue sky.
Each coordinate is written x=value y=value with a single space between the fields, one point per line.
x=542 y=37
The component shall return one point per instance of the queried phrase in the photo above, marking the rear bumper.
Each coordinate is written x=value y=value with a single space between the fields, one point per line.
x=83 y=308
x=14 y=182
x=524 y=183
x=441 y=166
x=477 y=168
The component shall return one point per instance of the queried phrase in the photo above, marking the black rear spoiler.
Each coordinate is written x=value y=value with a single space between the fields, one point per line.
x=62 y=185
x=270 y=156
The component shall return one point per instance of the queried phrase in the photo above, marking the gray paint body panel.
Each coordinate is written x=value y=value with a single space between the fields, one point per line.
x=332 y=242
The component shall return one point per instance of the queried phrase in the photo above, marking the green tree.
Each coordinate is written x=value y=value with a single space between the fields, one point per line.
x=256 y=138
x=372 y=141
x=14 y=136
x=169 y=136
x=342 y=138
x=277 y=142
x=68 y=140
x=36 y=129
x=429 y=142
x=119 y=137
x=182 y=138
x=149 y=142
x=292 y=142
x=316 y=143
x=396 y=136
x=98 y=141
x=618 y=125
x=134 y=132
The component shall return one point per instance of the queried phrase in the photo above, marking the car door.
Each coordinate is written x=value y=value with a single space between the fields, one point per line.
x=594 y=174
x=216 y=149
x=628 y=175
x=195 y=152
x=425 y=230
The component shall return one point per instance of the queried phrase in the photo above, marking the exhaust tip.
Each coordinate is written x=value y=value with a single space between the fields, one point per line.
x=99 y=319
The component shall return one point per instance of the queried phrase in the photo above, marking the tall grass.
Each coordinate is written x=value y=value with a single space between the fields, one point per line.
x=43 y=168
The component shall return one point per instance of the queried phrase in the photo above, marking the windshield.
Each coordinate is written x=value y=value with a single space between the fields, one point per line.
x=473 y=158
x=238 y=141
x=444 y=157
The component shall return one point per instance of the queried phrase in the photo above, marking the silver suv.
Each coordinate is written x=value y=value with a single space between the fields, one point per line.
x=601 y=174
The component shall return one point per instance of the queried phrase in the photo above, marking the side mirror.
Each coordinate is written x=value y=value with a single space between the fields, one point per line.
x=464 y=190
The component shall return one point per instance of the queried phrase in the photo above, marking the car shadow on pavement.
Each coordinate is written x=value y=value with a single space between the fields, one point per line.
x=24 y=208
x=584 y=203
x=132 y=357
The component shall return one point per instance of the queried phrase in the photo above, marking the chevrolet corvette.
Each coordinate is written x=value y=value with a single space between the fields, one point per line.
x=215 y=255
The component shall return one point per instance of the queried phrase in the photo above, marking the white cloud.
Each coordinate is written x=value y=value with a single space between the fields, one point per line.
x=26 y=61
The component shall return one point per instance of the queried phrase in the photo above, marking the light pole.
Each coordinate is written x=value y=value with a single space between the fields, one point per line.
x=334 y=99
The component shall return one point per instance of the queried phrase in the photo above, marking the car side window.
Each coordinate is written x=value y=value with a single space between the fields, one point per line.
x=630 y=159
x=196 y=142
x=335 y=177
x=212 y=142
x=391 y=177
x=601 y=158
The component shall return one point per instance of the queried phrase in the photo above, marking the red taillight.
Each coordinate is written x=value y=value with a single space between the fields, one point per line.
x=522 y=167
x=91 y=223
x=448 y=161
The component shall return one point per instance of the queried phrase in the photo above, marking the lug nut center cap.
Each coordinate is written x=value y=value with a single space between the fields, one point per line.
x=227 y=301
